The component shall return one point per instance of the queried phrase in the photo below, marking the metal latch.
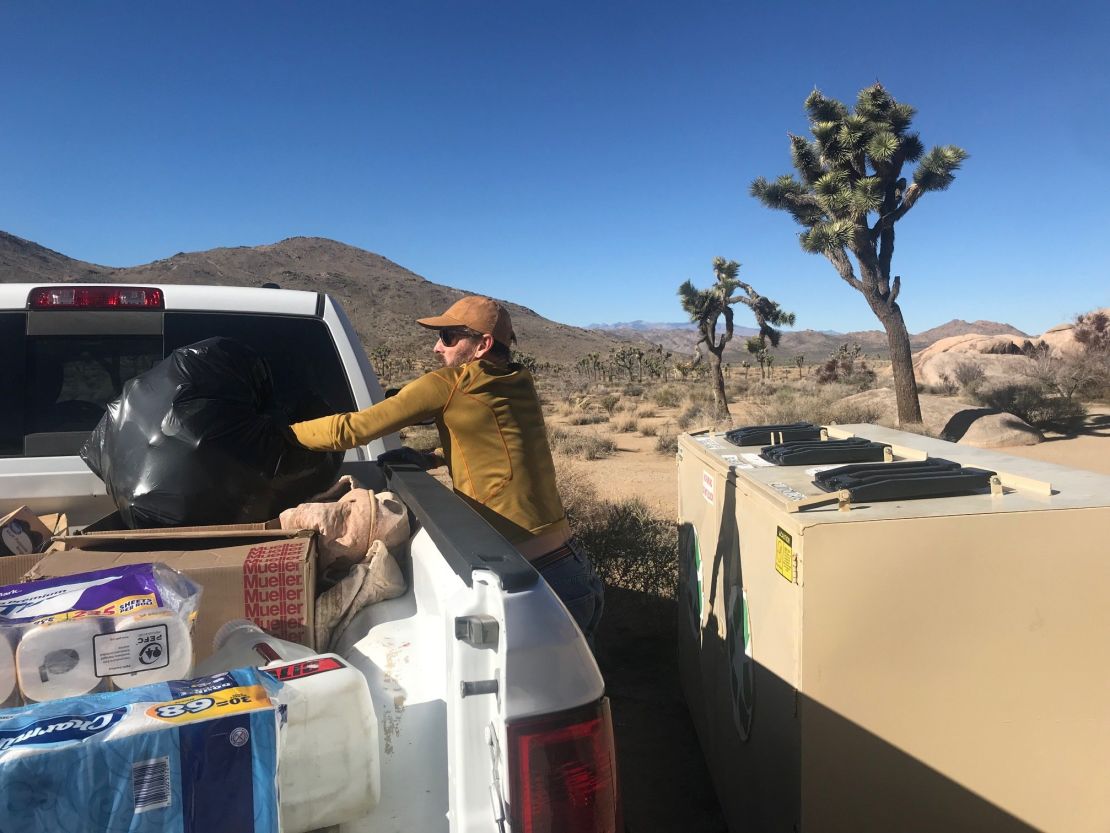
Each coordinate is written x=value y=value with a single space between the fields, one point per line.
x=481 y=631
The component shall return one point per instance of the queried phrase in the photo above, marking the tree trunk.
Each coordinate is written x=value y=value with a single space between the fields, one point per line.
x=718 y=382
x=901 y=360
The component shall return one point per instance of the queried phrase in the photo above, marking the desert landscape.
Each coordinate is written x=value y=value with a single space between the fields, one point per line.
x=615 y=400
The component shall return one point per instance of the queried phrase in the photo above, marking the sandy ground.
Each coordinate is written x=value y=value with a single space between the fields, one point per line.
x=664 y=780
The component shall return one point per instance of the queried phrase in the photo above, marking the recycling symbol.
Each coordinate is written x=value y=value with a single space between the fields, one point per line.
x=150 y=653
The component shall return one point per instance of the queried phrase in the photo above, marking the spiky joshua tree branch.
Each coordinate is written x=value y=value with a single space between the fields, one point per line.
x=850 y=192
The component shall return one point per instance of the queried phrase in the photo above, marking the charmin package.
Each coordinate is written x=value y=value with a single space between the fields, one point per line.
x=125 y=626
x=194 y=755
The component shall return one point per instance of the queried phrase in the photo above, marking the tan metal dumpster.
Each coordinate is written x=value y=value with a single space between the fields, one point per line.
x=916 y=664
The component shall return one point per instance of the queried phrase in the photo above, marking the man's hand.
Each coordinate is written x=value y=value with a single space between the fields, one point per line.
x=404 y=454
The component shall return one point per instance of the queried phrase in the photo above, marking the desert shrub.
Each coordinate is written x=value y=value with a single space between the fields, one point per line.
x=946 y=385
x=1032 y=402
x=633 y=548
x=666 y=396
x=694 y=416
x=761 y=389
x=587 y=418
x=848 y=413
x=633 y=390
x=646 y=412
x=609 y=402
x=821 y=406
x=846 y=366
x=421 y=437
x=666 y=443
x=630 y=545
x=625 y=425
x=969 y=375
x=700 y=395
x=581 y=445
x=648 y=429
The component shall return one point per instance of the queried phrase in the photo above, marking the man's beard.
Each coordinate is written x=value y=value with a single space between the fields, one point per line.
x=460 y=358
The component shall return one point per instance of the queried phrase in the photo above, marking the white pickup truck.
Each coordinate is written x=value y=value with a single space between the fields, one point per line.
x=491 y=708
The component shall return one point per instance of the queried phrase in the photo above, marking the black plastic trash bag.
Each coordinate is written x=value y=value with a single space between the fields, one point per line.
x=197 y=439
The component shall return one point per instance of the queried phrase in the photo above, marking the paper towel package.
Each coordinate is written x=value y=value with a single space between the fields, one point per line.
x=193 y=755
x=70 y=636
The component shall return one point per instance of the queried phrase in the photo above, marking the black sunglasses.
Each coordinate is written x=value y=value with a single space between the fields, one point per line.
x=451 y=337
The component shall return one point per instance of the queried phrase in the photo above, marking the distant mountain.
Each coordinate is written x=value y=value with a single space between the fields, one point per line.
x=641 y=326
x=381 y=297
x=814 y=344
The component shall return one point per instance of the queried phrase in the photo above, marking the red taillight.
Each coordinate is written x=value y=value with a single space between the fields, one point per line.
x=95 y=297
x=563 y=773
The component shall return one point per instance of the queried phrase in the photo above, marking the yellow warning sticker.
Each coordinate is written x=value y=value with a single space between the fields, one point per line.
x=207 y=706
x=784 y=554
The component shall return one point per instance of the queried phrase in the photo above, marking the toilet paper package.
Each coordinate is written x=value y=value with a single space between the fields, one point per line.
x=190 y=755
x=126 y=626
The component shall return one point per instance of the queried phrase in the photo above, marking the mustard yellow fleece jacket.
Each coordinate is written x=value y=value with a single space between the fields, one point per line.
x=492 y=434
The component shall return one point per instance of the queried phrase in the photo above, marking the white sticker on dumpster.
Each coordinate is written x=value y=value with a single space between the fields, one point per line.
x=707 y=487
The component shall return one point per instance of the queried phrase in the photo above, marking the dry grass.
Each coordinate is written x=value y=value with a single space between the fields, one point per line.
x=586 y=418
x=647 y=429
x=666 y=443
x=625 y=425
x=580 y=445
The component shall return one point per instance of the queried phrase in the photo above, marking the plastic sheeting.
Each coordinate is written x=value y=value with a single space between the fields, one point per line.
x=197 y=439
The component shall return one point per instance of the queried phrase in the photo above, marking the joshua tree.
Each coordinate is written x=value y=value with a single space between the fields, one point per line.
x=850 y=171
x=626 y=357
x=798 y=362
x=382 y=364
x=706 y=306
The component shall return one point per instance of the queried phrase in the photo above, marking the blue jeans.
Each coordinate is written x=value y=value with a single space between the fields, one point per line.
x=575 y=582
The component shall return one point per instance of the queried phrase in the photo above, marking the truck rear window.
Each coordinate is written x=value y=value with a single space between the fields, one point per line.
x=58 y=385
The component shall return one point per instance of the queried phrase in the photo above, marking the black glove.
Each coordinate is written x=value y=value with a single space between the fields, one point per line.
x=404 y=454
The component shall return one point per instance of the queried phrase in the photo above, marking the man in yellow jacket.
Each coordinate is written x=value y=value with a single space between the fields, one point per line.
x=493 y=441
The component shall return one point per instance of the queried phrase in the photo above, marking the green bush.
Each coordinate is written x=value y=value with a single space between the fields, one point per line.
x=1029 y=401
x=632 y=547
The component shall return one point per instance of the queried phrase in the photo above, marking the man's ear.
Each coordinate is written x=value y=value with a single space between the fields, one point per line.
x=485 y=344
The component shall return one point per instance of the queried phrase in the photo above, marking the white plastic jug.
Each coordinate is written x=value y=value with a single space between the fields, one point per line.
x=328 y=767
x=242 y=644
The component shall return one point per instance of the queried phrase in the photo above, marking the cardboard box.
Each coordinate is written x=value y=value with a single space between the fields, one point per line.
x=24 y=537
x=246 y=571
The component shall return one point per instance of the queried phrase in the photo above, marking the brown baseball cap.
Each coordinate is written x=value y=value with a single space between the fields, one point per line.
x=481 y=314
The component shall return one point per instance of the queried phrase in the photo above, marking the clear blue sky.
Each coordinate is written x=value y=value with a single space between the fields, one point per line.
x=580 y=158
